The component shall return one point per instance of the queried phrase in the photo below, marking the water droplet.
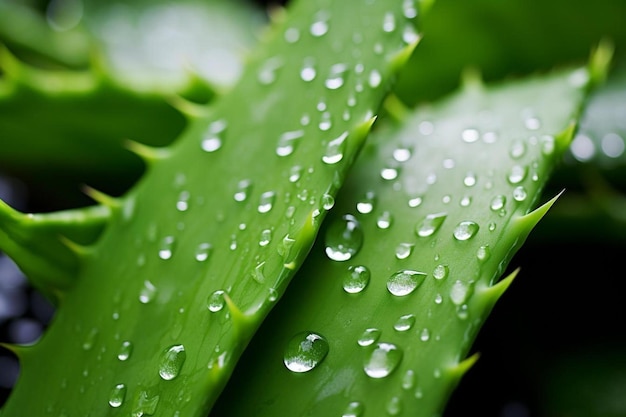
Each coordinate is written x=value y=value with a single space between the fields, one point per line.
x=183 y=201
x=498 y=203
x=403 y=250
x=259 y=274
x=404 y=323
x=547 y=145
x=389 y=174
x=203 y=251
x=172 y=361
x=117 y=395
x=440 y=271
x=266 y=201
x=374 y=80
x=272 y=295
x=409 y=9
x=216 y=301
x=409 y=35
x=125 y=350
x=243 y=190
x=415 y=202
x=519 y=193
x=382 y=360
x=144 y=405
x=384 y=220
x=438 y=299
x=402 y=154
x=389 y=22
x=266 y=237
x=404 y=282
x=305 y=351
x=465 y=230
x=517 y=174
x=325 y=122
x=90 y=340
x=167 y=247
x=328 y=201
x=212 y=139
x=357 y=279
x=425 y=335
x=394 y=406
x=518 y=149
x=292 y=35
x=470 y=135
x=369 y=337
x=335 y=149
x=147 y=292
x=287 y=142
x=344 y=238
x=408 y=380
x=366 y=204
x=268 y=72
x=465 y=201
x=336 y=76
x=470 y=179
x=483 y=253
x=430 y=224
x=532 y=123
x=460 y=292
x=308 y=72
x=354 y=409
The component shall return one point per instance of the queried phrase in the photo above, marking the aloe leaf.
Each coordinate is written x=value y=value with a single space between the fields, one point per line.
x=198 y=251
x=381 y=316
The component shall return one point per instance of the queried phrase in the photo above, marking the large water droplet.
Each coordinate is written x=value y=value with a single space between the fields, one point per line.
x=320 y=26
x=404 y=323
x=117 y=395
x=440 y=271
x=356 y=280
x=266 y=237
x=470 y=135
x=366 y=204
x=465 y=230
x=203 y=251
x=305 y=351
x=460 y=292
x=369 y=337
x=172 y=361
x=344 y=238
x=430 y=224
x=147 y=292
x=216 y=301
x=354 y=409
x=335 y=149
x=243 y=190
x=405 y=282
x=404 y=250
x=212 y=139
x=287 y=142
x=167 y=247
x=517 y=174
x=498 y=203
x=308 y=73
x=336 y=76
x=382 y=360
x=125 y=350
x=266 y=201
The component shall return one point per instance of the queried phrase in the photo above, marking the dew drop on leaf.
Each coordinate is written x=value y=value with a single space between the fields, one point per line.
x=172 y=360
x=212 y=140
x=335 y=149
x=365 y=205
x=203 y=251
x=147 y=292
x=405 y=282
x=216 y=301
x=266 y=201
x=384 y=220
x=243 y=190
x=430 y=224
x=336 y=76
x=353 y=409
x=470 y=135
x=117 y=395
x=519 y=193
x=344 y=238
x=408 y=380
x=305 y=351
x=144 y=405
x=382 y=360
x=465 y=230
x=404 y=323
x=166 y=250
x=440 y=271
x=356 y=280
x=125 y=350
x=459 y=293
x=403 y=250
x=369 y=337
x=288 y=141
x=394 y=406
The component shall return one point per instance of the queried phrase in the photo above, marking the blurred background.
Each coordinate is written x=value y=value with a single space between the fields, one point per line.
x=555 y=344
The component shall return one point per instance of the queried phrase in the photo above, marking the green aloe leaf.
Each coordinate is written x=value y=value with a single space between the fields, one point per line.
x=381 y=316
x=196 y=254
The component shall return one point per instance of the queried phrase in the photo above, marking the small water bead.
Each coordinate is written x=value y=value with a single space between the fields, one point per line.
x=415 y=201
x=320 y=26
x=90 y=340
x=518 y=149
x=409 y=9
x=394 y=406
x=167 y=247
x=365 y=205
x=389 y=22
x=498 y=203
x=382 y=360
x=344 y=238
x=272 y=295
x=426 y=127
x=409 y=35
x=354 y=409
x=336 y=76
x=465 y=201
x=266 y=201
x=425 y=335
x=325 y=122
x=335 y=149
x=404 y=282
x=268 y=72
x=389 y=174
x=357 y=279
x=145 y=405
x=384 y=220
x=404 y=250
x=438 y=299
x=369 y=337
x=182 y=204
x=328 y=201
x=430 y=224
x=117 y=395
x=612 y=145
x=243 y=190
x=483 y=253
x=259 y=274
x=147 y=292
x=401 y=154
x=203 y=251
x=517 y=174
x=216 y=301
x=212 y=140
x=266 y=237
x=404 y=323
x=470 y=179
x=490 y=137
x=470 y=135
x=462 y=311
x=441 y=271
x=305 y=351
x=547 y=145
x=465 y=230
x=292 y=35
x=287 y=142
x=308 y=72
x=375 y=79
x=460 y=292
x=125 y=350
x=172 y=361
x=519 y=193
x=532 y=123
